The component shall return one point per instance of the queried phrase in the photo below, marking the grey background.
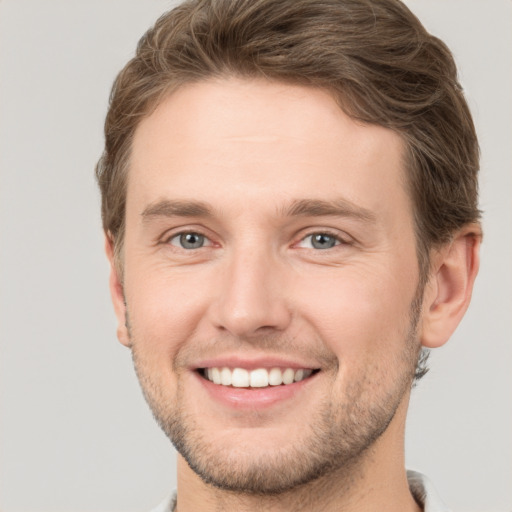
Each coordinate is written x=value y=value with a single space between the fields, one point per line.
x=75 y=434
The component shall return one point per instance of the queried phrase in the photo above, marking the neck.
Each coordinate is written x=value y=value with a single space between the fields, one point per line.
x=377 y=481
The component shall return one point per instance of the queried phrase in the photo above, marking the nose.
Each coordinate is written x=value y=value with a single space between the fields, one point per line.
x=251 y=299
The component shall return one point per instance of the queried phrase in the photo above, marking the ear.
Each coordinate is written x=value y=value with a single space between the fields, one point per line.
x=117 y=294
x=448 y=292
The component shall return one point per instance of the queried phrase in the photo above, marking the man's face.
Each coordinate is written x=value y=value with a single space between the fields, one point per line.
x=268 y=231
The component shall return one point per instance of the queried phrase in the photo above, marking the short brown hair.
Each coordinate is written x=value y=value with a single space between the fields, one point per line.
x=374 y=56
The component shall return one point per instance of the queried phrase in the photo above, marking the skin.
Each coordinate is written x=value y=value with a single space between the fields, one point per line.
x=251 y=151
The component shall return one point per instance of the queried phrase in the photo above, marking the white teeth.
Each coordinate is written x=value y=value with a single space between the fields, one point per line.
x=288 y=376
x=302 y=374
x=216 y=376
x=275 y=377
x=225 y=377
x=259 y=378
x=240 y=378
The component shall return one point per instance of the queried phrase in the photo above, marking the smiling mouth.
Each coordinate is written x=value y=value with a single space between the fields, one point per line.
x=258 y=378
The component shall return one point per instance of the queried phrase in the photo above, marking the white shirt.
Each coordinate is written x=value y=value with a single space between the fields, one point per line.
x=421 y=488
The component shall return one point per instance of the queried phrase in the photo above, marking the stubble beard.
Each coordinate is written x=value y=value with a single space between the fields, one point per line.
x=337 y=439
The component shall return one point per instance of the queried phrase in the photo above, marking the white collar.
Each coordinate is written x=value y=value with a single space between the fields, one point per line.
x=424 y=493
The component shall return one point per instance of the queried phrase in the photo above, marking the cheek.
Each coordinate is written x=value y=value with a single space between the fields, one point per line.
x=361 y=315
x=164 y=308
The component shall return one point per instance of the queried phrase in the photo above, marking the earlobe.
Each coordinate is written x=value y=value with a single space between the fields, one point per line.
x=117 y=294
x=448 y=292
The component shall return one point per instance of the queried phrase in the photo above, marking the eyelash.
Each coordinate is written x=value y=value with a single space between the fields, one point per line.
x=337 y=238
x=169 y=239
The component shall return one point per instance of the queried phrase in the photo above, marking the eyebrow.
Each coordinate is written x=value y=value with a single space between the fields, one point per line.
x=337 y=208
x=298 y=208
x=168 y=208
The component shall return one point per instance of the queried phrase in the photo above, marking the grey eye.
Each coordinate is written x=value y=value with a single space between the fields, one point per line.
x=188 y=240
x=323 y=241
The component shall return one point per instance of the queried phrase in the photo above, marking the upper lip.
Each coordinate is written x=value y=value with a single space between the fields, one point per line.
x=253 y=363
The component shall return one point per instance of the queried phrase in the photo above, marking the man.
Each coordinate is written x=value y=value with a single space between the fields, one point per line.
x=289 y=196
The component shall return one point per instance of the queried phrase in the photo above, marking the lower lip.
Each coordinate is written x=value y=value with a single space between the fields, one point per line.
x=254 y=398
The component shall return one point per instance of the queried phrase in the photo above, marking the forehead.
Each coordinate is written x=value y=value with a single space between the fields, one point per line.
x=240 y=139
